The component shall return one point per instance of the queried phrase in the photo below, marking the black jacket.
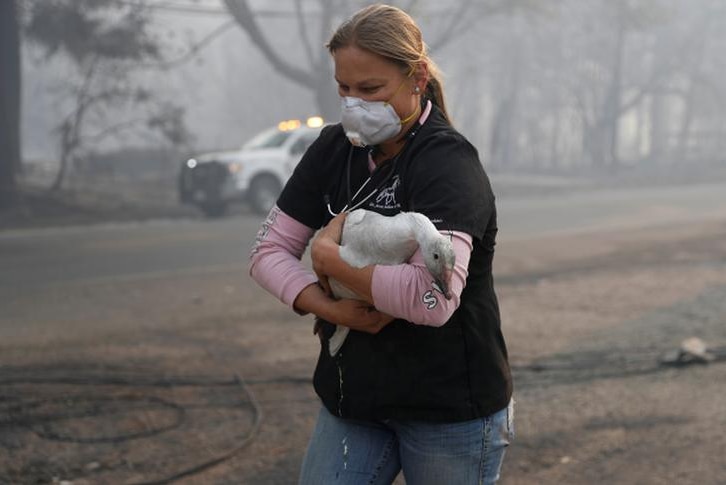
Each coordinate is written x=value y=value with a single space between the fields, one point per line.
x=451 y=373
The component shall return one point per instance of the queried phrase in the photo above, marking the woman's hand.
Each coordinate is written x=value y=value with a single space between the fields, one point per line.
x=358 y=315
x=326 y=241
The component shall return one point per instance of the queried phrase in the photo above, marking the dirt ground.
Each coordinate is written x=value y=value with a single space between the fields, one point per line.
x=207 y=381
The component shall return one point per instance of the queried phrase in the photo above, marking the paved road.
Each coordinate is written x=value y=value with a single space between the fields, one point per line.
x=42 y=257
x=63 y=255
x=522 y=218
x=153 y=301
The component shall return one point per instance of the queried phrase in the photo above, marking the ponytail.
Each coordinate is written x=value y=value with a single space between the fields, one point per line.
x=435 y=89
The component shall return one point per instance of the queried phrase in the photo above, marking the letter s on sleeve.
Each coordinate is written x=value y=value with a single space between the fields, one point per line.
x=430 y=300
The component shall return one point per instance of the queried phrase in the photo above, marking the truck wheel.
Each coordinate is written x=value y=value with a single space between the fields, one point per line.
x=264 y=192
x=214 y=209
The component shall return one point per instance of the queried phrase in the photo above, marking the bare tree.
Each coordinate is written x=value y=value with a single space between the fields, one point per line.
x=316 y=75
x=9 y=102
x=600 y=83
x=106 y=54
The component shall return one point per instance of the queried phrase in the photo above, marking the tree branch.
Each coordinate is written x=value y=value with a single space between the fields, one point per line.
x=111 y=130
x=448 y=34
x=193 y=49
x=244 y=16
x=463 y=19
x=328 y=8
x=71 y=127
x=302 y=28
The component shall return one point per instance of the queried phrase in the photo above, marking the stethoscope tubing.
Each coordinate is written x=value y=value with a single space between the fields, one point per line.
x=349 y=207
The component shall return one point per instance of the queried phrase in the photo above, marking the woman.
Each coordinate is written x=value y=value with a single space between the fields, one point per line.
x=422 y=384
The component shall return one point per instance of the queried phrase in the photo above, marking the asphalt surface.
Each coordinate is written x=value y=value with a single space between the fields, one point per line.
x=39 y=257
x=141 y=352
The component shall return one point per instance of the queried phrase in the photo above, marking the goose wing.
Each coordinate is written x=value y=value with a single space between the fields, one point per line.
x=371 y=238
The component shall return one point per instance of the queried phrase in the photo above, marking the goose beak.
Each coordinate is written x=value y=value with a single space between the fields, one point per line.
x=444 y=283
x=444 y=289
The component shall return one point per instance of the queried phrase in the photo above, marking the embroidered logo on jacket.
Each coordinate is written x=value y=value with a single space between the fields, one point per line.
x=386 y=198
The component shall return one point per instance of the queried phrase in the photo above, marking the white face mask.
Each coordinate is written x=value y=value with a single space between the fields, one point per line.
x=368 y=122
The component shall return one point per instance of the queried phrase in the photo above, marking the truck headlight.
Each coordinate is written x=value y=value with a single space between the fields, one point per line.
x=191 y=163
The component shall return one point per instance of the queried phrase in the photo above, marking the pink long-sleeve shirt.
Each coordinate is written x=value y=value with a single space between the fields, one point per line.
x=403 y=291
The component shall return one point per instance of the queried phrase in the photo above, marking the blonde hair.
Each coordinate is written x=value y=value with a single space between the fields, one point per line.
x=392 y=34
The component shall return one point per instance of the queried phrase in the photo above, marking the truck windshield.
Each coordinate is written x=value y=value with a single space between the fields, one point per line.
x=271 y=138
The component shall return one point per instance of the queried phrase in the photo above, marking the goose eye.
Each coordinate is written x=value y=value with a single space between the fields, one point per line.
x=436 y=256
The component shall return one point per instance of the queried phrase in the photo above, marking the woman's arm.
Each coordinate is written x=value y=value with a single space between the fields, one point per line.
x=274 y=261
x=403 y=291
x=408 y=291
x=275 y=265
x=354 y=314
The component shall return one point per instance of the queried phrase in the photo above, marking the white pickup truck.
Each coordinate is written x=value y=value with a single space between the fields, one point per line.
x=254 y=174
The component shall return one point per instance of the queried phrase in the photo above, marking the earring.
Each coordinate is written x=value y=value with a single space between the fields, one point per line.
x=416 y=90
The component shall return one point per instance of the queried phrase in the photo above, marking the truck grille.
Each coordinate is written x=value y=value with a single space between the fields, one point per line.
x=208 y=177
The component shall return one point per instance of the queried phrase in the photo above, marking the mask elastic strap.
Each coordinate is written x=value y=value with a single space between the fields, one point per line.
x=415 y=111
x=409 y=118
x=413 y=69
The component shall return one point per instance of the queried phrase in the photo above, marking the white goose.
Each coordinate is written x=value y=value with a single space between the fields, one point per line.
x=371 y=238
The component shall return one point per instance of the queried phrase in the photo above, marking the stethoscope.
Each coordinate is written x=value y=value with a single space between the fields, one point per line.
x=350 y=206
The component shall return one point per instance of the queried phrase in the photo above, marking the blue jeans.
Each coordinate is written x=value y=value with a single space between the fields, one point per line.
x=345 y=451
